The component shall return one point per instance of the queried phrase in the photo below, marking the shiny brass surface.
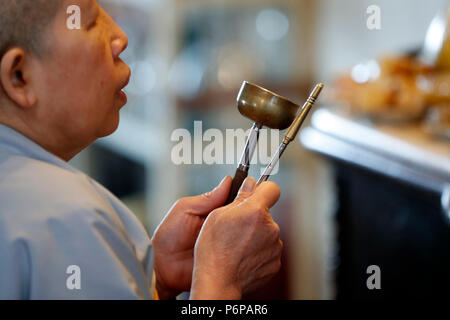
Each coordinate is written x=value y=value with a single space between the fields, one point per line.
x=297 y=123
x=265 y=107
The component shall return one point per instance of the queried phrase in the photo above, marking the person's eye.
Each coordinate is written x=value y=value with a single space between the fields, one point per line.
x=92 y=24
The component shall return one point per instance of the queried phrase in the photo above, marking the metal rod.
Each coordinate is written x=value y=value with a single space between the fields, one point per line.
x=250 y=146
x=292 y=131
x=273 y=162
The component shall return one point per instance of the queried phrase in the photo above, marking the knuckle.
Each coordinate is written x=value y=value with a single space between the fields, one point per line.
x=273 y=235
x=253 y=211
x=277 y=265
x=181 y=202
x=258 y=209
x=274 y=267
x=258 y=215
x=277 y=250
x=276 y=231
x=280 y=248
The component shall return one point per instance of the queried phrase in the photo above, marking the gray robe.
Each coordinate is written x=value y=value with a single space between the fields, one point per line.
x=63 y=235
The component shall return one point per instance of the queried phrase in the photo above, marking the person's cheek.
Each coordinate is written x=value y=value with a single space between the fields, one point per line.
x=101 y=71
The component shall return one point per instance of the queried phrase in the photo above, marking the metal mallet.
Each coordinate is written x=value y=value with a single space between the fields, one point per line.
x=292 y=131
x=266 y=109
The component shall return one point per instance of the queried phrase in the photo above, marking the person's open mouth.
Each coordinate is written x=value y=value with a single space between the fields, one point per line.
x=121 y=93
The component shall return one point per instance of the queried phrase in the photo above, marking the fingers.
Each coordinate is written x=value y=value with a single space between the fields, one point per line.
x=267 y=194
x=248 y=186
x=207 y=202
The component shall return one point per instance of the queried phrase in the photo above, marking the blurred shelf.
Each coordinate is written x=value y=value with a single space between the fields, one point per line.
x=405 y=152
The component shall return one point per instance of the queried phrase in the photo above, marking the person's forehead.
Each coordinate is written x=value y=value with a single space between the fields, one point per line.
x=88 y=8
x=83 y=4
x=88 y=11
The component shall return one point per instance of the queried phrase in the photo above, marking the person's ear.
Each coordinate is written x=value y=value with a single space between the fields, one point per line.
x=15 y=78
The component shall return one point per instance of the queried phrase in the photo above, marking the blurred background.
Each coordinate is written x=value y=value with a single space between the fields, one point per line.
x=366 y=183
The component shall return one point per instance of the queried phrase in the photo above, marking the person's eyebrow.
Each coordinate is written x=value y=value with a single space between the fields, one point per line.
x=94 y=12
x=96 y=9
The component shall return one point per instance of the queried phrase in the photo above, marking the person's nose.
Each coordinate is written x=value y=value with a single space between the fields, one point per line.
x=119 y=40
x=119 y=43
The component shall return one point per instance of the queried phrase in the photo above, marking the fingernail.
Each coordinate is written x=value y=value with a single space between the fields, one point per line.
x=248 y=185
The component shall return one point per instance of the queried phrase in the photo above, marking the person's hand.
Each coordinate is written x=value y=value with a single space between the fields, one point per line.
x=174 y=239
x=239 y=247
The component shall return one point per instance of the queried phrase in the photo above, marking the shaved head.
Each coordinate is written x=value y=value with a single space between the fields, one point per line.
x=23 y=24
x=61 y=87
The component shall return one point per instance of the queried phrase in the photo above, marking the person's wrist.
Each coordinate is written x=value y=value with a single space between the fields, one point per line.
x=206 y=287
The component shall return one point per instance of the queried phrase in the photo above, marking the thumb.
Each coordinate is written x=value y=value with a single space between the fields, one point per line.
x=246 y=189
x=207 y=202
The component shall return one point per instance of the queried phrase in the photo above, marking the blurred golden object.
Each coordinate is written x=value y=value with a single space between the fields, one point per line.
x=403 y=87
x=402 y=66
x=394 y=94
x=436 y=88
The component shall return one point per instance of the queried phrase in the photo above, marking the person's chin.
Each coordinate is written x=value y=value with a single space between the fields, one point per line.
x=121 y=96
x=111 y=125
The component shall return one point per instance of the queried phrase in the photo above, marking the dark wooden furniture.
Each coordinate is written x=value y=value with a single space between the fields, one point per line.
x=392 y=186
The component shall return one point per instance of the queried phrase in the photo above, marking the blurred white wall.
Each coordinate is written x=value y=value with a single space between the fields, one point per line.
x=342 y=39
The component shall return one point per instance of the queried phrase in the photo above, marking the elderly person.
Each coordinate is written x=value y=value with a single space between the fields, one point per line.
x=60 y=90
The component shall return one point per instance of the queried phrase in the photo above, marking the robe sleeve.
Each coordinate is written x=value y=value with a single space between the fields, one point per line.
x=79 y=254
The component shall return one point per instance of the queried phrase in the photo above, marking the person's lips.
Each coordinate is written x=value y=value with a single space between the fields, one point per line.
x=121 y=94
x=126 y=80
